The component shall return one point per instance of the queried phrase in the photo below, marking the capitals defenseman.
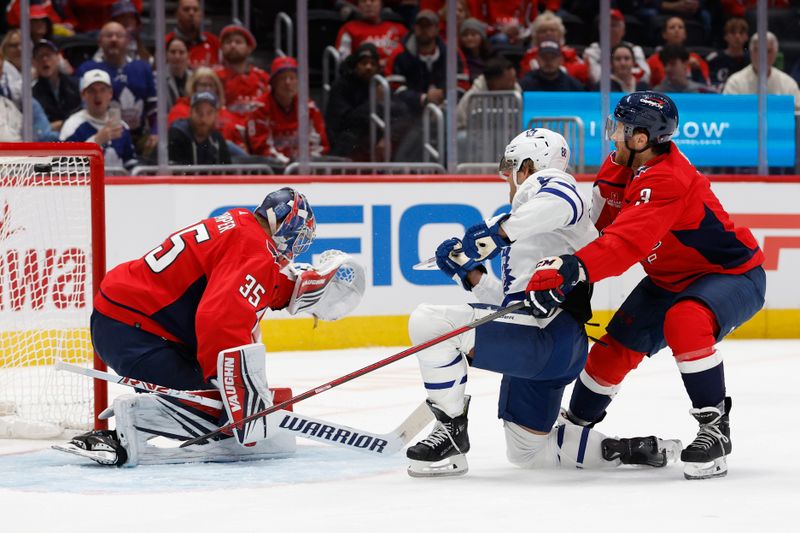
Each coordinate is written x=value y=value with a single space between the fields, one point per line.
x=704 y=275
x=538 y=357
x=186 y=316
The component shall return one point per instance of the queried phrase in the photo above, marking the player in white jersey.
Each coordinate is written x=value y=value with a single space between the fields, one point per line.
x=537 y=357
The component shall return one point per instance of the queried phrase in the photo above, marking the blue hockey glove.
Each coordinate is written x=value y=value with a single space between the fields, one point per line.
x=482 y=241
x=452 y=261
x=550 y=283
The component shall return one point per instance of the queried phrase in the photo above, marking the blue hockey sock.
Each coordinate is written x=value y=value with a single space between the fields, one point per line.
x=587 y=405
x=705 y=388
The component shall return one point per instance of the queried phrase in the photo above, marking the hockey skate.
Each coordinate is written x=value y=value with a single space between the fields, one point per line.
x=442 y=453
x=706 y=456
x=649 y=451
x=101 y=446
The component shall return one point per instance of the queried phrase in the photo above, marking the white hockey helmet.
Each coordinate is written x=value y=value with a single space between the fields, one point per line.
x=545 y=148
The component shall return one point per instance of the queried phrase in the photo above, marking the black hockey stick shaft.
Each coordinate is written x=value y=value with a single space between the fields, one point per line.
x=360 y=372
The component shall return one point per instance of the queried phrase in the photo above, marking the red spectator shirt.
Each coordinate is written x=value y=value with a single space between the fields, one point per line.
x=666 y=217
x=206 y=286
x=91 y=15
x=386 y=36
x=272 y=130
x=231 y=126
x=737 y=8
x=203 y=52
x=573 y=64
x=243 y=92
x=13 y=17
x=657 y=68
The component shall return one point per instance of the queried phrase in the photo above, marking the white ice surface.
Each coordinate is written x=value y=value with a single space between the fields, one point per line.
x=325 y=488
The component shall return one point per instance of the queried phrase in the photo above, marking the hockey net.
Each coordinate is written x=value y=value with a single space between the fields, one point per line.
x=52 y=256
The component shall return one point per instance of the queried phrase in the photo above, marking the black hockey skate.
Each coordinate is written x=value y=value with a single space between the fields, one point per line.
x=101 y=446
x=442 y=452
x=649 y=451
x=706 y=456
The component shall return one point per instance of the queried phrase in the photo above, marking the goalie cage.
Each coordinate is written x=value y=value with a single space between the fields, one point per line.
x=52 y=258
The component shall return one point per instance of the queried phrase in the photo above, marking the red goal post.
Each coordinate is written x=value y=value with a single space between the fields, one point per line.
x=52 y=259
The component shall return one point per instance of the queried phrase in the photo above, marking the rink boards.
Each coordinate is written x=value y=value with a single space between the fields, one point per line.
x=391 y=223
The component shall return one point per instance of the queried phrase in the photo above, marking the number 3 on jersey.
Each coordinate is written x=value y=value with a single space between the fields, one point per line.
x=252 y=290
x=645 y=196
x=158 y=260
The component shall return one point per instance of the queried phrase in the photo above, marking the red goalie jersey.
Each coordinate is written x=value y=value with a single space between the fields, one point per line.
x=665 y=216
x=206 y=286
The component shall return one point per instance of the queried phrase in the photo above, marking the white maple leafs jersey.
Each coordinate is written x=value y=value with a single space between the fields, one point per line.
x=549 y=217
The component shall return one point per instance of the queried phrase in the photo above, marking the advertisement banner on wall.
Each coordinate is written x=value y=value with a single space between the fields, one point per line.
x=715 y=130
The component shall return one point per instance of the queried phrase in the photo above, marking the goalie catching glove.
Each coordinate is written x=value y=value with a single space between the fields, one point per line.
x=550 y=283
x=330 y=289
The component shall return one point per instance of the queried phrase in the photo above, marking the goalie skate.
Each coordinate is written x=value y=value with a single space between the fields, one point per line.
x=442 y=452
x=100 y=446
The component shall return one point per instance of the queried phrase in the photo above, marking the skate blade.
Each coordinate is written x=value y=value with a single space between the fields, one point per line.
x=672 y=448
x=716 y=468
x=101 y=457
x=452 y=466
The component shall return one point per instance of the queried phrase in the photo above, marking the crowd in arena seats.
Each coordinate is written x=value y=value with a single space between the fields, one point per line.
x=230 y=96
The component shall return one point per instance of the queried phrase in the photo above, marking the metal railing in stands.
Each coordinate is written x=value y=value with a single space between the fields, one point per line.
x=329 y=55
x=227 y=170
x=571 y=127
x=493 y=119
x=376 y=121
x=332 y=168
x=284 y=20
x=429 y=152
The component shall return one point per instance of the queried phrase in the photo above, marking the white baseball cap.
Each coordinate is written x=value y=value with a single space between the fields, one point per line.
x=95 y=76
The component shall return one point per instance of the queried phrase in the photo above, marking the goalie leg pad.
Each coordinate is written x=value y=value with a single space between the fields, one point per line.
x=151 y=427
x=242 y=380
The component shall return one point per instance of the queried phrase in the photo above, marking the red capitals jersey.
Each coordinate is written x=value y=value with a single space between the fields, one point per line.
x=203 y=52
x=243 y=92
x=206 y=286
x=272 y=130
x=666 y=216
x=386 y=36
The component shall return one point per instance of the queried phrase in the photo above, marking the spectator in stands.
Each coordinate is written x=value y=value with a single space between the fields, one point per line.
x=195 y=140
x=507 y=20
x=97 y=124
x=244 y=84
x=204 y=79
x=623 y=64
x=419 y=66
x=203 y=46
x=474 y=46
x=272 y=128
x=11 y=77
x=738 y=8
x=370 y=28
x=550 y=76
x=133 y=83
x=125 y=13
x=46 y=21
x=746 y=80
x=734 y=57
x=56 y=92
x=676 y=74
x=41 y=25
x=499 y=75
x=91 y=15
x=464 y=10
x=641 y=70
x=549 y=27
x=347 y=114
x=178 y=69
x=674 y=32
x=688 y=9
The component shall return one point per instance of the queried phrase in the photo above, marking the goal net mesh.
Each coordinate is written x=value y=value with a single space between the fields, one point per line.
x=45 y=294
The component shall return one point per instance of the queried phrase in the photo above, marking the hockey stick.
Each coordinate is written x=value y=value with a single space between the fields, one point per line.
x=300 y=425
x=360 y=372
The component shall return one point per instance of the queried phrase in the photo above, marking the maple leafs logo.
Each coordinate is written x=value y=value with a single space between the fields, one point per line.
x=6 y=231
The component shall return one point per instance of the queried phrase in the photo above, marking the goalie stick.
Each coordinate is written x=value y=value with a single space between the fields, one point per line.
x=360 y=372
x=300 y=425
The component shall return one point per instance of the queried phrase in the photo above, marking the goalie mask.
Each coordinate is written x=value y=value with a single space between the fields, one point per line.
x=291 y=221
x=545 y=148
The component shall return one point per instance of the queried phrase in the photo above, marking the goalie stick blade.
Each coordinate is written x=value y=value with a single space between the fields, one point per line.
x=428 y=264
x=344 y=436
